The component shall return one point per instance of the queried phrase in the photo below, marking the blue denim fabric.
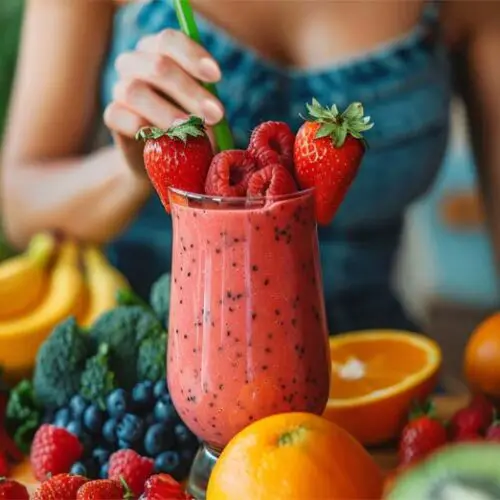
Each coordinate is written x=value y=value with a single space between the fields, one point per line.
x=405 y=87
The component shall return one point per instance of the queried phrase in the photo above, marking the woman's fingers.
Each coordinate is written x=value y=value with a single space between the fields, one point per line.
x=138 y=97
x=189 y=55
x=170 y=79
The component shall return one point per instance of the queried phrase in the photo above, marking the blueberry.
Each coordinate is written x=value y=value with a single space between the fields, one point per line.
x=93 y=419
x=103 y=472
x=79 y=469
x=101 y=455
x=77 y=405
x=158 y=438
x=48 y=417
x=117 y=403
x=150 y=419
x=170 y=462
x=75 y=427
x=160 y=388
x=124 y=445
x=62 y=417
x=185 y=438
x=165 y=412
x=130 y=428
x=109 y=430
x=142 y=395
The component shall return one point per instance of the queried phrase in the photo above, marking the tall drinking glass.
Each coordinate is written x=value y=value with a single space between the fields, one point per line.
x=247 y=328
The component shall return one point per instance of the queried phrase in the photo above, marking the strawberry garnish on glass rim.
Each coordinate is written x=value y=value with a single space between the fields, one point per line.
x=177 y=157
x=328 y=151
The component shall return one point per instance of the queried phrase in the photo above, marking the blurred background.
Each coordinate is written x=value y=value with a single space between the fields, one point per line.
x=445 y=274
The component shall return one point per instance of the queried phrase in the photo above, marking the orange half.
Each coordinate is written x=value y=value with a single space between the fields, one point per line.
x=376 y=376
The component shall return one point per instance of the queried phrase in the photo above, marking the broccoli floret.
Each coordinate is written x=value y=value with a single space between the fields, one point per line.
x=160 y=298
x=97 y=379
x=126 y=297
x=24 y=415
x=60 y=363
x=152 y=358
x=123 y=329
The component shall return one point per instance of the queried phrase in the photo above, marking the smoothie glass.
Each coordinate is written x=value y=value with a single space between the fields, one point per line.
x=247 y=329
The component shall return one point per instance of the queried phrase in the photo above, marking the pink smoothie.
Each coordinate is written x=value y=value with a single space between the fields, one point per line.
x=247 y=332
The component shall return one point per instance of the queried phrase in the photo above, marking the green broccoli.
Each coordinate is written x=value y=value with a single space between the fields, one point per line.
x=60 y=363
x=160 y=298
x=152 y=358
x=123 y=329
x=24 y=415
x=126 y=297
x=97 y=378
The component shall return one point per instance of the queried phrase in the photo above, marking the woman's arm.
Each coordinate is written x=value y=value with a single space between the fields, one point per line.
x=46 y=182
x=477 y=25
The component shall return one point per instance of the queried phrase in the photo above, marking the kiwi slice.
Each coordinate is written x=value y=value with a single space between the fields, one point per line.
x=468 y=471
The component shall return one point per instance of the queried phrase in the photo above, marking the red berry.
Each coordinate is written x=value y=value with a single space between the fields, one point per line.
x=163 y=486
x=12 y=490
x=273 y=180
x=178 y=157
x=133 y=468
x=101 y=489
x=62 y=486
x=4 y=466
x=467 y=437
x=272 y=142
x=493 y=432
x=467 y=421
x=419 y=438
x=53 y=451
x=483 y=405
x=229 y=173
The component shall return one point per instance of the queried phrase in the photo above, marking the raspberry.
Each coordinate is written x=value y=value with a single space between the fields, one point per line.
x=62 y=486
x=53 y=451
x=229 y=173
x=133 y=468
x=162 y=486
x=12 y=490
x=4 y=466
x=273 y=180
x=272 y=142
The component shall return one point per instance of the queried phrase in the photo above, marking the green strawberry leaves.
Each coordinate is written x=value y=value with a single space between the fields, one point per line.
x=194 y=126
x=339 y=125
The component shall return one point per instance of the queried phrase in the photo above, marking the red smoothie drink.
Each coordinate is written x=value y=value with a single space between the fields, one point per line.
x=247 y=329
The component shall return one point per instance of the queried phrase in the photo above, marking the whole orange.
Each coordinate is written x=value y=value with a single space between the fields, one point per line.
x=482 y=357
x=294 y=456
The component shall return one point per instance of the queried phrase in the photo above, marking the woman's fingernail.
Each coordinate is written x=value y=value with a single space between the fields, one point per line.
x=212 y=112
x=209 y=70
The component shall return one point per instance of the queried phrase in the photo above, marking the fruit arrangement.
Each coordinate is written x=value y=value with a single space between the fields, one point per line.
x=127 y=468
x=50 y=281
x=99 y=390
x=325 y=155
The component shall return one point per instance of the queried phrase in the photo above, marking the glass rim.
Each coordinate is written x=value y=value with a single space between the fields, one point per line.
x=238 y=200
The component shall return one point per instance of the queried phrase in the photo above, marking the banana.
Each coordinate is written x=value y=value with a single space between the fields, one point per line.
x=21 y=337
x=103 y=282
x=23 y=278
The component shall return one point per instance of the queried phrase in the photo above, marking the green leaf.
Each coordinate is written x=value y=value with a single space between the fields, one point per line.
x=194 y=126
x=326 y=130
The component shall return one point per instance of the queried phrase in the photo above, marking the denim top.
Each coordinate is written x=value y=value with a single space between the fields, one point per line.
x=405 y=87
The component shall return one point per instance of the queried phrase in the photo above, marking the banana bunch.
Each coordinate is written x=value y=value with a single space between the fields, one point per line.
x=42 y=287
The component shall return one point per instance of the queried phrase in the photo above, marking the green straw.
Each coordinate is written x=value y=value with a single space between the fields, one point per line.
x=185 y=17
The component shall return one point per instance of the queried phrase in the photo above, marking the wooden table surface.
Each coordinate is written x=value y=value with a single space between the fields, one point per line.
x=385 y=457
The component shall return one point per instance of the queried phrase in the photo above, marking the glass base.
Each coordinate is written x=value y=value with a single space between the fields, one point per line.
x=204 y=462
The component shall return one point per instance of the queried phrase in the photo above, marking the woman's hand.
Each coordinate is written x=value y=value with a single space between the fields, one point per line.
x=159 y=83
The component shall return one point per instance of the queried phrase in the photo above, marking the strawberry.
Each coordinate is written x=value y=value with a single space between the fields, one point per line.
x=132 y=468
x=272 y=142
x=61 y=486
x=273 y=180
x=53 y=451
x=162 y=487
x=12 y=490
x=4 y=465
x=467 y=437
x=422 y=435
x=103 y=489
x=483 y=405
x=178 y=157
x=229 y=173
x=474 y=419
x=328 y=151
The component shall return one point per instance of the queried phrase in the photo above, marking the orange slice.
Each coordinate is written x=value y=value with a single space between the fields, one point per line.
x=376 y=376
